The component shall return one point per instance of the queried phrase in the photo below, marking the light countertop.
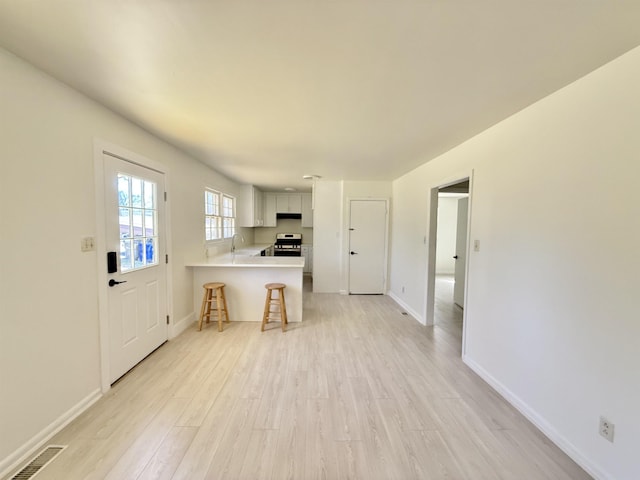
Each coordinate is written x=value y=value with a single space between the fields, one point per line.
x=248 y=257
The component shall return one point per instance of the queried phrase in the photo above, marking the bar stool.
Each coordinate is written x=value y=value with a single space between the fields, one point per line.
x=208 y=304
x=278 y=302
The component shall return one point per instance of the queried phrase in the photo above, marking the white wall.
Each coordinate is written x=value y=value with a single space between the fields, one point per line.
x=551 y=314
x=49 y=345
x=446 y=241
x=327 y=236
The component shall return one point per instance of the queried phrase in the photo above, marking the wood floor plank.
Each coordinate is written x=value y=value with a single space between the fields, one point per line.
x=164 y=463
x=230 y=454
x=321 y=461
x=134 y=461
x=292 y=442
x=261 y=456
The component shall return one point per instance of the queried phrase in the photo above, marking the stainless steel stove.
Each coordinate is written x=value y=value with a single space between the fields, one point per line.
x=288 y=245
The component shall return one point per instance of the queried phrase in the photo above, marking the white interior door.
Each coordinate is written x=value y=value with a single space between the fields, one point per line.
x=367 y=246
x=461 y=252
x=135 y=238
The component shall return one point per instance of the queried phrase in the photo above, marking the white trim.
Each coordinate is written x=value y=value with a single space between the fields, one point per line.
x=176 y=328
x=431 y=235
x=14 y=460
x=407 y=308
x=539 y=422
x=101 y=147
x=432 y=232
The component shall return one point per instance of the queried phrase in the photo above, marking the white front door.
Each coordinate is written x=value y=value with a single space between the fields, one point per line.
x=135 y=240
x=367 y=246
x=461 y=252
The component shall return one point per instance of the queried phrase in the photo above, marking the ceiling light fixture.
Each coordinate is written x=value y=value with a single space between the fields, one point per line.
x=311 y=177
x=289 y=189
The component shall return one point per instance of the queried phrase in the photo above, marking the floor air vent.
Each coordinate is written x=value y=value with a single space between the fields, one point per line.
x=38 y=463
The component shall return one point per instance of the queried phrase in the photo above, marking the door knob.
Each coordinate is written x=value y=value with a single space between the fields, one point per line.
x=455 y=256
x=113 y=283
x=354 y=253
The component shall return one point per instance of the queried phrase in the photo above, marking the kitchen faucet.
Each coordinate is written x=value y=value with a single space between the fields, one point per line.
x=233 y=241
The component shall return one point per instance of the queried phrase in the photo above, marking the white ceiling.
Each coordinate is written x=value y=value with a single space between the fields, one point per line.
x=266 y=91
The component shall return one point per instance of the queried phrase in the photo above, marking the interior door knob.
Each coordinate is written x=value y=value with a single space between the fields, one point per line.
x=455 y=256
x=354 y=253
x=113 y=282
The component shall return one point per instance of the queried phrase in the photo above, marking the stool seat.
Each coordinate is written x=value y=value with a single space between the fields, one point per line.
x=278 y=302
x=208 y=301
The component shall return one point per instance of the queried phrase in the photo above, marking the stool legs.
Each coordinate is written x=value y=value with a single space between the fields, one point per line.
x=207 y=304
x=278 y=302
x=283 y=309
x=267 y=308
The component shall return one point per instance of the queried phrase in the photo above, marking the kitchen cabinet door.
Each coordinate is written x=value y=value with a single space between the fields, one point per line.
x=288 y=203
x=307 y=253
x=258 y=208
x=295 y=203
x=282 y=203
x=269 y=210
x=250 y=211
x=307 y=211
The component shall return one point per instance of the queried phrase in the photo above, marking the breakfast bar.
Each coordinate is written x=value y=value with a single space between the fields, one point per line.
x=245 y=274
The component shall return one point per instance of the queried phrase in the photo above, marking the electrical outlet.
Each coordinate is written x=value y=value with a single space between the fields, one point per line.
x=606 y=429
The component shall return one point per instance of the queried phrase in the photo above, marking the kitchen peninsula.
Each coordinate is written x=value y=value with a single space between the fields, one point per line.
x=245 y=273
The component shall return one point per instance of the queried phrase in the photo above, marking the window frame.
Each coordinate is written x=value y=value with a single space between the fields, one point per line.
x=219 y=218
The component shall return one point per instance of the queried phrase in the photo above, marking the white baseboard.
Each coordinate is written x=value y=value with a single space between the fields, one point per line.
x=540 y=423
x=407 y=308
x=14 y=460
x=181 y=325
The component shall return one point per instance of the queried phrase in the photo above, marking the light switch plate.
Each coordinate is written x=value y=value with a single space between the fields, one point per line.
x=87 y=244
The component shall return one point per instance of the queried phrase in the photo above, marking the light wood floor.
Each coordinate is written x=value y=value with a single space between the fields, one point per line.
x=356 y=391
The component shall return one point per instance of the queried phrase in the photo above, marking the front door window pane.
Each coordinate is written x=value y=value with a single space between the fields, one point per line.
x=149 y=195
x=149 y=223
x=138 y=218
x=123 y=191
x=126 y=258
x=136 y=192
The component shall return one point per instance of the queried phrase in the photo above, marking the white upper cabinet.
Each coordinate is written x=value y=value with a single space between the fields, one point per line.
x=274 y=203
x=250 y=208
x=288 y=203
x=307 y=211
x=269 y=210
x=295 y=204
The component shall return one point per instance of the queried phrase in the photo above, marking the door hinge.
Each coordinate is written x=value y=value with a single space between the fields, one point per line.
x=165 y=196
x=166 y=258
x=167 y=319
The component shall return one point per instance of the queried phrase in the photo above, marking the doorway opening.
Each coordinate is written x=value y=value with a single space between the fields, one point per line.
x=448 y=240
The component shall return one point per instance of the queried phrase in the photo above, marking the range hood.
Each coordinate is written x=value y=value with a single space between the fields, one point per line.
x=288 y=216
